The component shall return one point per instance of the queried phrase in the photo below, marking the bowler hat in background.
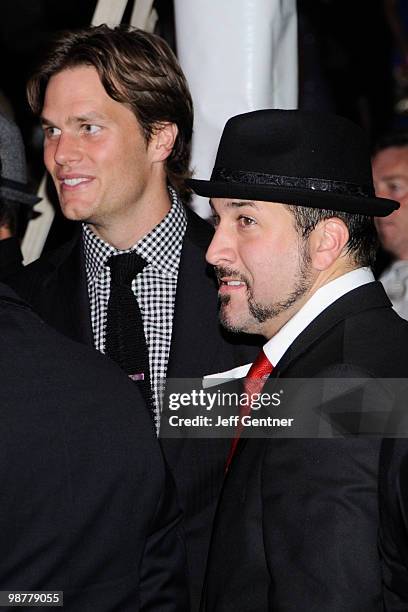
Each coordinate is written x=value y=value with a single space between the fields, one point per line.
x=295 y=157
x=13 y=179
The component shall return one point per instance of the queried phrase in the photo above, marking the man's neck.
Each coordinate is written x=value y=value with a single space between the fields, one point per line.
x=126 y=230
x=402 y=255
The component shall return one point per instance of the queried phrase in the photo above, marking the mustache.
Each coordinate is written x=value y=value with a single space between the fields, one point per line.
x=221 y=272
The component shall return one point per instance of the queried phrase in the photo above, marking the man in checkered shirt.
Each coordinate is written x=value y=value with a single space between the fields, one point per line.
x=117 y=118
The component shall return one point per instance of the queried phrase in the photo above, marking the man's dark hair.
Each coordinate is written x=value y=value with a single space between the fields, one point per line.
x=137 y=69
x=393 y=138
x=363 y=243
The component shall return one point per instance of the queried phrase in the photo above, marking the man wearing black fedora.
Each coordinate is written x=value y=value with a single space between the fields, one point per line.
x=293 y=203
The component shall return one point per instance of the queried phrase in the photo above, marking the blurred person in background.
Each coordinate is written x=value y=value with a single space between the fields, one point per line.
x=390 y=173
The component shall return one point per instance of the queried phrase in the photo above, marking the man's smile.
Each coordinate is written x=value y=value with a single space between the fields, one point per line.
x=74 y=181
x=229 y=280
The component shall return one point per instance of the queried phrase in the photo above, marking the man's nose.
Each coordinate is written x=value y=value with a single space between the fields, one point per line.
x=221 y=250
x=68 y=150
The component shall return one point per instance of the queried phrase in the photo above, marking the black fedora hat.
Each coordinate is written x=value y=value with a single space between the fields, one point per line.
x=295 y=157
x=13 y=175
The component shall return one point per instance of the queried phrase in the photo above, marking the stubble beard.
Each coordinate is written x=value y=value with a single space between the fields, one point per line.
x=260 y=312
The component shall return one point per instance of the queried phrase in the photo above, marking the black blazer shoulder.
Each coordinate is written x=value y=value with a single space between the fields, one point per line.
x=55 y=286
x=359 y=329
x=74 y=434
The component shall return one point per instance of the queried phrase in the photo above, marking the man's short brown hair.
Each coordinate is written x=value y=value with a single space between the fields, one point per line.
x=362 y=245
x=137 y=69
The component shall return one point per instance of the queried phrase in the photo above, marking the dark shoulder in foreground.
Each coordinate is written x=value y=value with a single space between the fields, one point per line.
x=87 y=507
x=25 y=280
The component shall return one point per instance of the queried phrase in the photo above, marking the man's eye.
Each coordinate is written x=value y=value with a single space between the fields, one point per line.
x=90 y=128
x=397 y=189
x=246 y=221
x=52 y=132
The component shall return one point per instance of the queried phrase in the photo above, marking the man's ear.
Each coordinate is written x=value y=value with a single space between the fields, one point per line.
x=162 y=141
x=327 y=242
x=5 y=232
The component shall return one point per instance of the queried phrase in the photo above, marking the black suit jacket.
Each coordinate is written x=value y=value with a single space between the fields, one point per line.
x=296 y=527
x=56 y=287
x=87 y=506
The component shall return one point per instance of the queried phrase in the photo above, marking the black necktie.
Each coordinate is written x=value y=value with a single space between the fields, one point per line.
x=125 y=338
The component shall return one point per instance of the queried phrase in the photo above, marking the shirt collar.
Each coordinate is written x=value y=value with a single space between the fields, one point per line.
x=275 y=348
x=161 y=247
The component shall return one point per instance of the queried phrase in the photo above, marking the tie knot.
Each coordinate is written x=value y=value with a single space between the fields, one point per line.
x=125 y=267
x=260 y=368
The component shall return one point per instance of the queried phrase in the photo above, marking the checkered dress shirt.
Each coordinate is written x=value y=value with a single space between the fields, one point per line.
x=154 y=288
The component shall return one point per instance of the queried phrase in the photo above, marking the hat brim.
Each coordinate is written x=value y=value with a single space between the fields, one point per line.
x=327 y=200
x=20 y=197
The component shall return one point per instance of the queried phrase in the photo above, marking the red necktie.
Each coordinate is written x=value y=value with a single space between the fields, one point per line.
x=253 y=384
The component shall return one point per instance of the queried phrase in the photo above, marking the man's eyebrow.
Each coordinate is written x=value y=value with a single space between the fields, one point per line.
x=238 y=204
x=392 y=177
x=242 y=204
x=45 y=121
x=85 y=117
